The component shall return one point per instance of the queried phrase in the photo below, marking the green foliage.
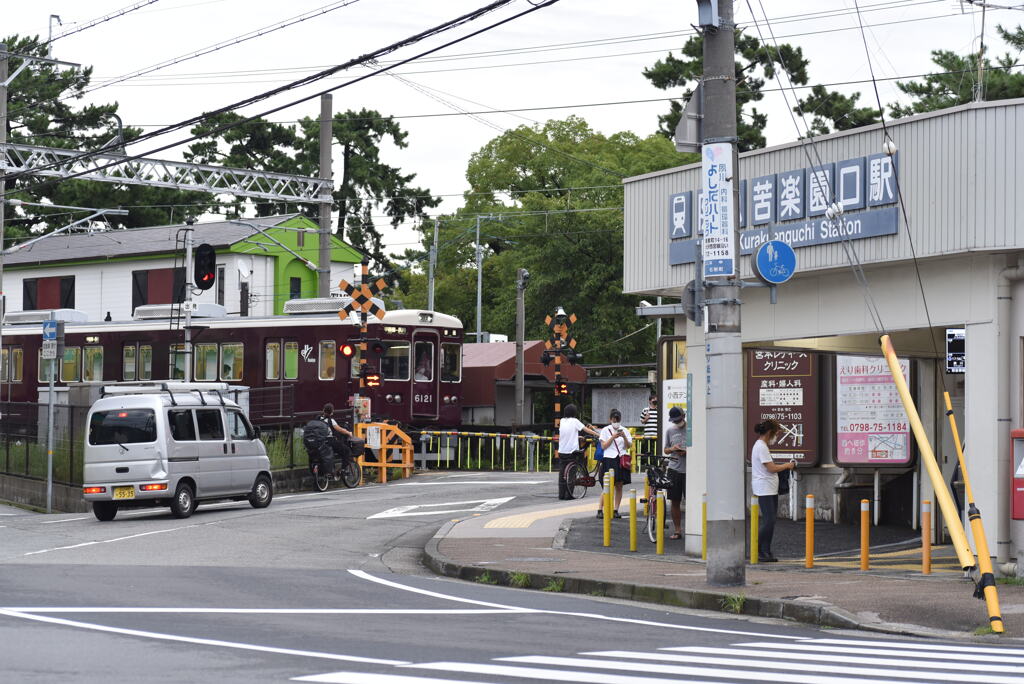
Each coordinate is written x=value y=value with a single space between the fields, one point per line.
x=757 y=64
x=833 y=111
x=485 y=578
x=555 y=584
x=550 y=200
x=519 y=579
x=733 y=603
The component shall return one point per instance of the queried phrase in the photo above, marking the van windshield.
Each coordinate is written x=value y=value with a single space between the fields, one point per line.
x=125 y=426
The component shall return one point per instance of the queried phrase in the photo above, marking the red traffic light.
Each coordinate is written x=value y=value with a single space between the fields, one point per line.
x=205 y=266
x=347 y=350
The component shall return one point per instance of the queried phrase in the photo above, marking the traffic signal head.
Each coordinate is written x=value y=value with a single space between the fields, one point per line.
x=347 y=350
x=375 y=347
x=561 y=387
x=373 y=379
x=205 y=266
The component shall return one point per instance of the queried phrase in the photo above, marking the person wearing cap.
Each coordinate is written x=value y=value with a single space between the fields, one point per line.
x=675 y=449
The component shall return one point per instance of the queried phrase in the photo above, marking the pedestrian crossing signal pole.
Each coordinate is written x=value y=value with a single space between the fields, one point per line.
x=362 y=301
x=726 y=523
x=561 y=343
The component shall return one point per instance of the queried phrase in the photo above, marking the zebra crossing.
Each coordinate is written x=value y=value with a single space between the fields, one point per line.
x=808 y=661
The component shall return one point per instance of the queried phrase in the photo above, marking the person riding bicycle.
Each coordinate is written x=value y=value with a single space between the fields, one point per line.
x=338 y=443
x=322 y=441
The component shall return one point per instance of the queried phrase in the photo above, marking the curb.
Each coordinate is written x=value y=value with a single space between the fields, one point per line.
x=821 y=615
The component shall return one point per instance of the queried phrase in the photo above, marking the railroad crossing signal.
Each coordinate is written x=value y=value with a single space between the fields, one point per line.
x=561 y=387
x=561 y=340
x=362 y=298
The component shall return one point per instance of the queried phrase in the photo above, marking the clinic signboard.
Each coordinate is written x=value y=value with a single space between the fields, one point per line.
x=872 y=429
x=792 y=206
x=783 y=385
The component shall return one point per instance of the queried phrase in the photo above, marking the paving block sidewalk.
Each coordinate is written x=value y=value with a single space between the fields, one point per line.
x=561 y=545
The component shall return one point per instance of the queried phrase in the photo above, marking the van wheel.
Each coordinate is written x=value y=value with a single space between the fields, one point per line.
x=184 y=501
x=262 y=492
x=104 y=510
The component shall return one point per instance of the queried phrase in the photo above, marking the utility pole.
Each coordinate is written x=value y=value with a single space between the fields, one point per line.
x=323 y=280
x=431 y=268
x=522 y=278
x=190 y=276
x=4 y=368
x=479 y=285
x=726 y=519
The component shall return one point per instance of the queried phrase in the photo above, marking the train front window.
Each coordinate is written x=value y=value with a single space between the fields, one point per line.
x=328 y=359
x=128 y=363
x=231 y=355
x=206 y=361
x=71 y=364
x=424 y=361
x=394 y=363
x=92 y=367
x=145 y=362
x=451 y=362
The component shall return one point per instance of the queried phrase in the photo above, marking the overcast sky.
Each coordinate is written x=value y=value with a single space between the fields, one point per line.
x=575 y=53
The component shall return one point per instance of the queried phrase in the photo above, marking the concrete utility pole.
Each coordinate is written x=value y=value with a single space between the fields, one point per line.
x=724 y=417
x=326 y=172
x=431 y=268
x=522 y=278
x=3 y=202
x=479 y=285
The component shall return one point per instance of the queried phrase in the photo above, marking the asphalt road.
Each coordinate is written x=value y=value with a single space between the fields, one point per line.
x=328 y=588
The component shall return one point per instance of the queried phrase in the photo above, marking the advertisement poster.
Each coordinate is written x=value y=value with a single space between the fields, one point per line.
x=871 y=425
x=716 y=211
x=783 y=385
x=677 y=393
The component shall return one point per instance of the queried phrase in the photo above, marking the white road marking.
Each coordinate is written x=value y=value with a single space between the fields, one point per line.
x=482 y=506
x=369 y=678
x=54 y=522
x=552 y=674
x=832 y=668
x=834 y=657
x=593 y=616
x=834 y=653
x=201 y=642
x=48 y=610
x=474 y=482
x=921 y=646
x=711 y=671
x=117 y=539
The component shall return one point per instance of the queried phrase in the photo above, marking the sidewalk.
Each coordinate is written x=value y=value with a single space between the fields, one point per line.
x=559 y=545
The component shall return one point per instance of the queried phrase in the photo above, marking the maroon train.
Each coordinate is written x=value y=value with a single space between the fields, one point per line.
x=292 y=364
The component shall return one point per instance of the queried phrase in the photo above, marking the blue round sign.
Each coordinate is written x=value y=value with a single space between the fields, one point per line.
x=774 y=262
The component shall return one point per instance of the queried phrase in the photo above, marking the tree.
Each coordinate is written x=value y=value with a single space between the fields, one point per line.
x=42 y=111
x=758 y=63
x=832 y=111
x=552 y=198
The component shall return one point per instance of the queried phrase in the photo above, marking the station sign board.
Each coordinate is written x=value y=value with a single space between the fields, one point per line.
x=783 y=385
x=872 y=429
x=718 y=247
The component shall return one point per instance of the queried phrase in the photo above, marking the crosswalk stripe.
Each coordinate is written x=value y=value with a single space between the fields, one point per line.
x=557 y=675
x=757 y=676
x=920 y=646
x=828 y=650
x=788 y=667
x=852 y=660
x=374 y=678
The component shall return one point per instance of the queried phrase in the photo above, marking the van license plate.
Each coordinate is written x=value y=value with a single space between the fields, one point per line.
x=124 y=492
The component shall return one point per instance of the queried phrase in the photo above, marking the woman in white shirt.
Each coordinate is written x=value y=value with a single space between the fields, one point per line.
x=764 y=483
x=569 y=429
x=615 y=440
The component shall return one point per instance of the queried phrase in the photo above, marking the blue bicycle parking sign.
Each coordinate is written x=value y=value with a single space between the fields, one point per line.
x=774 y=262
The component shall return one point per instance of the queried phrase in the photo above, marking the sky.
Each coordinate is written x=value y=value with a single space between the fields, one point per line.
x=572 y=58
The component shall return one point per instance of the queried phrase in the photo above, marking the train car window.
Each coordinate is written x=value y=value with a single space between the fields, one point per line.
x=451 y=362
x=71 y=366
x=128 y=371
x=231 y=359
x=17 y=363
x=239 y=426
x=92 y=364
x=210 y=425
x=291 y=360
x=328 y=361
x=206 y=361
x=394 y=363
x=3 y=364
x=183 y=428
x=176 y=362
x=11 y=364
x=145 y=362
x=44 y=367
x=353 y=362
x=424 y=361
x=273 y=360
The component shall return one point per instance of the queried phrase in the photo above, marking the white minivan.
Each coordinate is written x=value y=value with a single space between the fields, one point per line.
x=171 y=444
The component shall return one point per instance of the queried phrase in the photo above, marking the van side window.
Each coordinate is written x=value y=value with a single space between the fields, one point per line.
x=183 y=429
x=210 y=425
x=239 y=426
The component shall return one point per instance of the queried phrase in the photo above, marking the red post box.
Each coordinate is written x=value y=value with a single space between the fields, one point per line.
x=1017 y=489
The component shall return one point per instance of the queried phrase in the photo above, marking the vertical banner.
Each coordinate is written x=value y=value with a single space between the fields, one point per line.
x=871 y=425
x=676 y=384
x=718 y=245
x=783 y=385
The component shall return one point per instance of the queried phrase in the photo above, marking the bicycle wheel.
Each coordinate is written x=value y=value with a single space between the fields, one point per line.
x=652 y=516
x=574 y=475
x=351 y=473
x=320 y=480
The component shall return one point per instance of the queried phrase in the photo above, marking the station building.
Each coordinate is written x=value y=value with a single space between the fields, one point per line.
x=813 y=360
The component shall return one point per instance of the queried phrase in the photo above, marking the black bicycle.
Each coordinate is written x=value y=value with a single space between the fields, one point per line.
x=345 y=468
x=657 y=479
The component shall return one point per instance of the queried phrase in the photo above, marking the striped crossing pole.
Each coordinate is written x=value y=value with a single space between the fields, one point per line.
x=755 y=521
x=926 y=537
x=865 y=534
x=809 y=532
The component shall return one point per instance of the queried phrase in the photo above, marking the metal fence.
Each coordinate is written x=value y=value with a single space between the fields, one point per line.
x=23 y=441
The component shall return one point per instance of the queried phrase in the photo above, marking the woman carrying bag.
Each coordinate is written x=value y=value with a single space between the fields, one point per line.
x=765 y=484
x=615 y=440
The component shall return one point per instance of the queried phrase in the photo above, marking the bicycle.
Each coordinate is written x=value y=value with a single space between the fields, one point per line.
x=578 y=479
x=345 y=468
x=657 y=479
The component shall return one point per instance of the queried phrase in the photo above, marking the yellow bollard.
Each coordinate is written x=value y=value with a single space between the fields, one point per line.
x=809 y=532
x=755 y=520
x=607 y=494
x=660 y=545
x=865 y=533
x=704 y=527
x=632 y=519
x=926 y=537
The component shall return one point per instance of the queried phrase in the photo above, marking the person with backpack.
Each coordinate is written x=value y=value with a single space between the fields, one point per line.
x=320 y=437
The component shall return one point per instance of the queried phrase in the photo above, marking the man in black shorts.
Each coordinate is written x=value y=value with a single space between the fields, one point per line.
x=675 y=449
